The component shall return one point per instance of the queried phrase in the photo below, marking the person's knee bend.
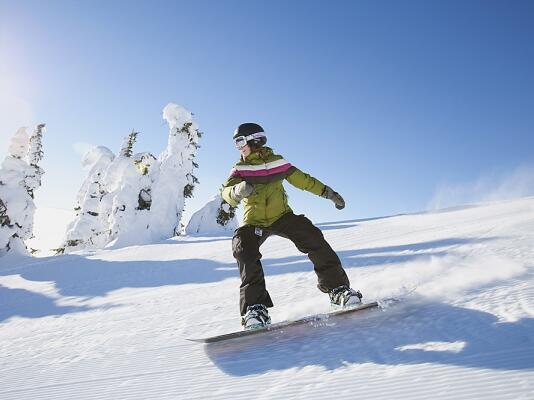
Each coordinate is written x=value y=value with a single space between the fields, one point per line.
x=243 y=253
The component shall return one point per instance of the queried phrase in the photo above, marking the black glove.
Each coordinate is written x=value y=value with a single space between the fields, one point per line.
x=328 y=193
x=241 y=190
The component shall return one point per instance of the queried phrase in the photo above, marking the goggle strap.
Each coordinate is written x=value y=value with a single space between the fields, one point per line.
x=256 y=135
x=245 y=139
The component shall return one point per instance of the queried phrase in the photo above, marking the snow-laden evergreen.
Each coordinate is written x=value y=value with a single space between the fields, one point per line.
x=137 y=198
x=18 y=148
x=35 y=155
x=148 y=167
x=216 y=218
x=130 y=218
x=16 y=196
x=90 y=230
x=128 y=143
x=176 y=180
x=120 y=200
x=113 y=204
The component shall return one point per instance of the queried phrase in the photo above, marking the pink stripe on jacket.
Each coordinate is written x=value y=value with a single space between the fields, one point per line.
x=261 y=172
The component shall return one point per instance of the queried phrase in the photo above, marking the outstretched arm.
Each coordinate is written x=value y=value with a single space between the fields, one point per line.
x=307 y=182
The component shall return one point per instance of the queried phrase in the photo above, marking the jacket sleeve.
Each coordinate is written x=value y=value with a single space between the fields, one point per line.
x=227 y=189
x=306 y=182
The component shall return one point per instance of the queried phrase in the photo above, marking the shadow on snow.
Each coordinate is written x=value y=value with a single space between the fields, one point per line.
x=403 y=334
x=350 y=223
x=77 y=275
x=27 y=304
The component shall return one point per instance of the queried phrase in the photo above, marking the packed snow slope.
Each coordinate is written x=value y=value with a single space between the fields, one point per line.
x=113 y=324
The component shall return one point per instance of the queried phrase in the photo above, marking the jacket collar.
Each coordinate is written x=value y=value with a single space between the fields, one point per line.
x=257 y=155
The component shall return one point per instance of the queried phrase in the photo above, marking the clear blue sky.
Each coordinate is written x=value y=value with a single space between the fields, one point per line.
x=383 y=100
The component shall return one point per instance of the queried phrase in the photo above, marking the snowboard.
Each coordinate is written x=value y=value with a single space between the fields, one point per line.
x=286 y=324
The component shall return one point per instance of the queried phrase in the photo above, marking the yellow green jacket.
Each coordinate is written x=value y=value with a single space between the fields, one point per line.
x=266 y=171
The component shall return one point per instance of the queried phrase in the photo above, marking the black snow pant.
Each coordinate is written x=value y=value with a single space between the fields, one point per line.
x=307 y=237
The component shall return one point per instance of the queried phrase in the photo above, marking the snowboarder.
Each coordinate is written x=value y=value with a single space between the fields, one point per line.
x=257 y=181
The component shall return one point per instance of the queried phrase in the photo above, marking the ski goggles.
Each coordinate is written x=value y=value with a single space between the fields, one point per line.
x=241 y=141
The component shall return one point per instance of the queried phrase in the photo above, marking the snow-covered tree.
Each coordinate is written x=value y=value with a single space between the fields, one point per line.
x=226 y=214
x=8 y=233
x=119 y=200
x=127 y=145
x=139 y=199
x=176 y=180
x=216 y=218
x=131 y=223
x=124 y=204
x=17 y=206
x=4 y=218
x=19 y=145
x=90 y=230
x=148 y=168
x=35 y=155
x=113 y=205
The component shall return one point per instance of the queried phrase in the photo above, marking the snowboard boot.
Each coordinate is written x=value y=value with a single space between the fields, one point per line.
x=344 y=296
x=256 y=317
